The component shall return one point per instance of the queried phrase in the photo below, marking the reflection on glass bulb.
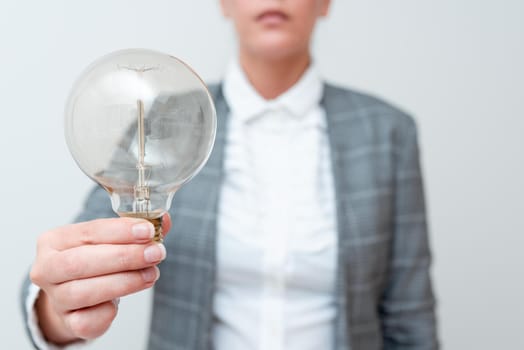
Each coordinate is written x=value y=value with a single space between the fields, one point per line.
x=141 y=124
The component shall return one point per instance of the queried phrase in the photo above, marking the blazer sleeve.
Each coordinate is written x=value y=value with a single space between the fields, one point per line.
x=407 y=305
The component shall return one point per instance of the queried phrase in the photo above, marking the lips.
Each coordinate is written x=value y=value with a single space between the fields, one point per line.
x=272 y=17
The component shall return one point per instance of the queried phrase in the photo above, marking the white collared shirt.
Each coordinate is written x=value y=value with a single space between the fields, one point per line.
x=277 y=242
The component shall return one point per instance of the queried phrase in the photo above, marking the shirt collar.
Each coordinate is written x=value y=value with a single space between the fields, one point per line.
x=246 y=103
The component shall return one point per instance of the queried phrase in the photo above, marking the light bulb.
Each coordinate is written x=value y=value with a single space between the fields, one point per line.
x=141 y=124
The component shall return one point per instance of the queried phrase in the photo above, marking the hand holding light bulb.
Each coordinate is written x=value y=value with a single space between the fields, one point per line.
x=83 y=269
x=140 y=124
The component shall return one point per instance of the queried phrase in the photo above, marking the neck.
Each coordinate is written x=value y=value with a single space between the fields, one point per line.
x=271 y=78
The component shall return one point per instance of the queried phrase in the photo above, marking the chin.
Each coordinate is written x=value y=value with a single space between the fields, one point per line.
x=277 y=48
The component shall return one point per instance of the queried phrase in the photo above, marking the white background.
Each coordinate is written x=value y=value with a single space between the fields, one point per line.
x=457 y=65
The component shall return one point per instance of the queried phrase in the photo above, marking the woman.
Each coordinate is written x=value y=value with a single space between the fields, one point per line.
x=305 y=230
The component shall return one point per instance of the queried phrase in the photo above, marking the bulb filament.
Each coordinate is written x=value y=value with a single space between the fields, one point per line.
x=141 y=190
x=142 y=203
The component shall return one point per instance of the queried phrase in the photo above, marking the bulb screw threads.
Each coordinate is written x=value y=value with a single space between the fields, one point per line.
x=157 y=223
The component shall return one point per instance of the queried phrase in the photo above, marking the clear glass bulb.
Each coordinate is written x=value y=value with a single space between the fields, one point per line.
x=141 y=124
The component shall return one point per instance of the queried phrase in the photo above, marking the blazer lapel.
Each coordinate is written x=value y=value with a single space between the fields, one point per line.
x=338 y=113
x=212 y=186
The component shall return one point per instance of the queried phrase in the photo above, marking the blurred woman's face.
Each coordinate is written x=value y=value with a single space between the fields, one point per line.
x=274 y=29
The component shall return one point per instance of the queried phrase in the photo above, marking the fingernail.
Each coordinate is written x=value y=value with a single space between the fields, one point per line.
x=154 y=253
x=143 y=230
x=150 y=274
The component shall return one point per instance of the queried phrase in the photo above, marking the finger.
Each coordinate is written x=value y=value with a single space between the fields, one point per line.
x=101 y=231
x=102 y=259
x=91 y=322
x=166 y=224
x=88 y=292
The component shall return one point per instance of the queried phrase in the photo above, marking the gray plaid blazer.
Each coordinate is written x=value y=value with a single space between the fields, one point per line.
x=384 y=295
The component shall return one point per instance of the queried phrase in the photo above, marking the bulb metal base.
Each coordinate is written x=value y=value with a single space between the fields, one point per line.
x=157 y=222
